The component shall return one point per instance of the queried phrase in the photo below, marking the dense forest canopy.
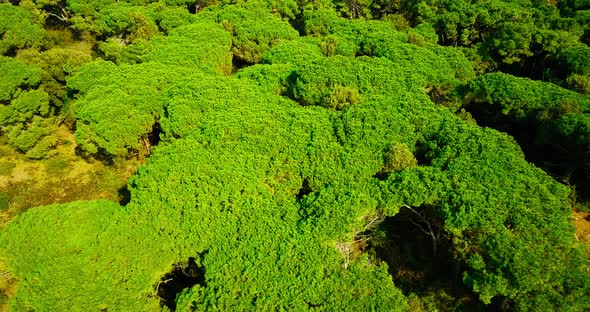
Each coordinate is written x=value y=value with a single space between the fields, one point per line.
x=350 y=155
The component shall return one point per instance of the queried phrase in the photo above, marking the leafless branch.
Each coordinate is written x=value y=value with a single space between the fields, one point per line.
x=433 y=235
x=62 y=18
x=378 y=218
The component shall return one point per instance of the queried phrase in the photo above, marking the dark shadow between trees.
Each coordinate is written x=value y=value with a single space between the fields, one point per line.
x=420 y=259
x=183 y=275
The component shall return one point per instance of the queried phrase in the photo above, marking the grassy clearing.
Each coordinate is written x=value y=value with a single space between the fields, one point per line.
x=66 y=177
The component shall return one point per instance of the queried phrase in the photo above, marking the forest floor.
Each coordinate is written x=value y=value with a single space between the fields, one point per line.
x=582 y=225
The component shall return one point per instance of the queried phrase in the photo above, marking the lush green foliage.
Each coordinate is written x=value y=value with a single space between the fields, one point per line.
x=281 y=138
x=23 y=108
x=17 y=29
x=544 y=117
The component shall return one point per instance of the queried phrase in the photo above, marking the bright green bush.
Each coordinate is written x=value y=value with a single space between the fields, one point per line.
x=190 y=46
x=118 y=107
x=81 y=241
x=17 y=29
x=16 y=74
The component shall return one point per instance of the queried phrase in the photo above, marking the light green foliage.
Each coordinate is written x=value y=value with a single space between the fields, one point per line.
x=295 y=52
x=318 y=83
x=333 y=45
x=85 y=79
x=441 y=68
x=286 y=8
x=17 y=30
x=191 y=46
x=26 y=137
x=319 y=22
x=185 y=112
x=272 y=181
x=342 y=97
x=169 y=17
x=187 y=46
x=398 y=157
x=81 y=241
x=129 y=22
x=118 y=108
x=274 y=78
x=25 y=106
x=15 y=75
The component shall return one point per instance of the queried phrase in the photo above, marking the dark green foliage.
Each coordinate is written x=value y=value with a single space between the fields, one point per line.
x=4 y=201
x=518 y=269
x=520 y=97
x=6 y=168
x=521 y=37
x=22 y=116
x=577 y=60
x=57 y=64
x=546 y=119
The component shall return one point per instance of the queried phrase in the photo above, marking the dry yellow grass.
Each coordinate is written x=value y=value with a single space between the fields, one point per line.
x=63 y=178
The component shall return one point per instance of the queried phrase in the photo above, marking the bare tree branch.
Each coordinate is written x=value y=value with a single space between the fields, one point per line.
x=434 y=236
